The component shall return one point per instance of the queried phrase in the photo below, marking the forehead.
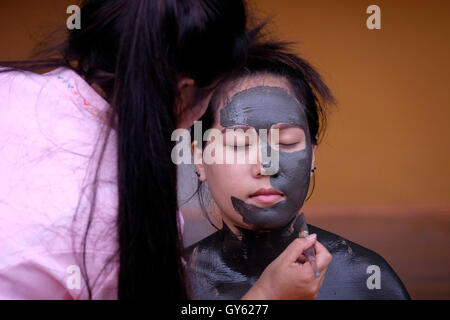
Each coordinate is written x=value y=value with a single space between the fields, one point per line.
x=256 y=80
x=261 y=102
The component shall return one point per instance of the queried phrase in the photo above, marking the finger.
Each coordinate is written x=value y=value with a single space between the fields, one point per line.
x=323 y=256
x=296 y=248
x=301 y=258
x=306 y=272
x=322 y=277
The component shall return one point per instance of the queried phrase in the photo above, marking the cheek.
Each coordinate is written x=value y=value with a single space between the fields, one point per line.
x=225 y=181
x=294 y=175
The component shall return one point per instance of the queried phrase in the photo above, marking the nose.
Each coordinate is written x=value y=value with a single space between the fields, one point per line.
x=262 y=166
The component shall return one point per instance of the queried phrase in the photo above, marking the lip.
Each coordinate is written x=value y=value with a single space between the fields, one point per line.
x=267 y=196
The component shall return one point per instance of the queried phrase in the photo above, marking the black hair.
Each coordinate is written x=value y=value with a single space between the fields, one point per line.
x=274 y=58
x=135 y=50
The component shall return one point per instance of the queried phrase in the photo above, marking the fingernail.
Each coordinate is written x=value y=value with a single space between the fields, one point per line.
x=311 y=237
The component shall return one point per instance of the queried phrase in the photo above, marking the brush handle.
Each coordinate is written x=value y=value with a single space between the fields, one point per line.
x=310 y=254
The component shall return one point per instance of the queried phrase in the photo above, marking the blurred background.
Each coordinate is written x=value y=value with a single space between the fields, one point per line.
x=383 y=177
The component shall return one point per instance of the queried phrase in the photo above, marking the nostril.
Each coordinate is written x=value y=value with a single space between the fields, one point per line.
x=268 y=170
x=266 y=164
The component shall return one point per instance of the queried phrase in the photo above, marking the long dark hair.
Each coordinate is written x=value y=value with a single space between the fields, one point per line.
x=274 y=58
x=135 y=50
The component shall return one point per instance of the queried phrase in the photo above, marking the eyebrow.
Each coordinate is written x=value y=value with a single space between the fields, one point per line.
x=282 y=126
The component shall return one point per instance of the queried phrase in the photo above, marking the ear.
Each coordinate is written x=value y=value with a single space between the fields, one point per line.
x=198 y=161
x=185 y=94
x=185 y=86
x=313 y=158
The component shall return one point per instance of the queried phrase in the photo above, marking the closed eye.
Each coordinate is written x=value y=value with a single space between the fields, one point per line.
x=241 y=147
x=290 y=138
x=290 y=145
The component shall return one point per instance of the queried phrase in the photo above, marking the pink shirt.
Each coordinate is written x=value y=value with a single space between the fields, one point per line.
x=49 y=125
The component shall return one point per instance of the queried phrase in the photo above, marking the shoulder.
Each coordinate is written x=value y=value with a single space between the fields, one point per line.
x=25 y=86
x=15 y=78
x=61 y=86
x=357 y=272
x=341 y=247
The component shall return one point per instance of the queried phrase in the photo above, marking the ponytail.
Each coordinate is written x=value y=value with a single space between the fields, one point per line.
x=150 y=246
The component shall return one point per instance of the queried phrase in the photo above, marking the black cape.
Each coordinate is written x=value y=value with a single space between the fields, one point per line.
x=221 y=266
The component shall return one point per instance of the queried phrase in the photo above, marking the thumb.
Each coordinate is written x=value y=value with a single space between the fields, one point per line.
x=296 y=248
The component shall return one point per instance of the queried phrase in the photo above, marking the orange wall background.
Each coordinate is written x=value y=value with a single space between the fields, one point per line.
x=388 y=139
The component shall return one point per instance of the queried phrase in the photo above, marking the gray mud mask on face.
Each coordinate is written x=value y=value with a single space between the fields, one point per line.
x=261 y=107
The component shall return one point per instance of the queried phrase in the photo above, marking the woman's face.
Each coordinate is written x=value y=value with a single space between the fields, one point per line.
x=247 y=194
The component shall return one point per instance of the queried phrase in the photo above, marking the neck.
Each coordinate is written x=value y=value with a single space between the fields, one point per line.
x=251 y=251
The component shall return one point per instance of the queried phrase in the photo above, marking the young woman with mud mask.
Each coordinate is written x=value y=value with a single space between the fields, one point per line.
x=269 y=116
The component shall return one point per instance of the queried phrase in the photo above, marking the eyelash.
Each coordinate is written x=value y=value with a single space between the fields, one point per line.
x=291 y=145
x=236 y=148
